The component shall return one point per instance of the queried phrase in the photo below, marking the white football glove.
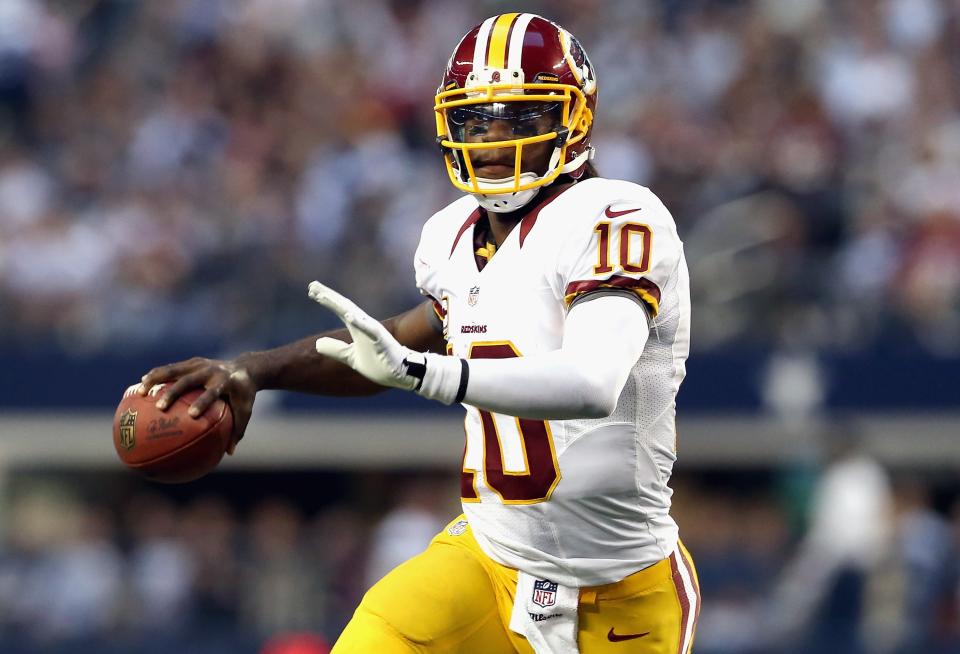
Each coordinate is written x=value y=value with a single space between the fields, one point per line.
x=379 y=357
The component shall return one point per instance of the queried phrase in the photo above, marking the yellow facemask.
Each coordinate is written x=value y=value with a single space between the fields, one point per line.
x=575 y=121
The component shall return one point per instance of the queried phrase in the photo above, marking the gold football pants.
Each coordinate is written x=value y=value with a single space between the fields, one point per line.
x=453 y=598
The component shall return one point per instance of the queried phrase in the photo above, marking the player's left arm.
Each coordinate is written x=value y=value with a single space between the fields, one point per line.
x=603 y=338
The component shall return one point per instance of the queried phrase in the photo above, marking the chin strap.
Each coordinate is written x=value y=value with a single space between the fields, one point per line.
x=507 y=202
x=578 y=161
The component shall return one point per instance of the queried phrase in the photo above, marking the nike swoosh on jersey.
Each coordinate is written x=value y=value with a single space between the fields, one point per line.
x=616 y=638
x=614 y=214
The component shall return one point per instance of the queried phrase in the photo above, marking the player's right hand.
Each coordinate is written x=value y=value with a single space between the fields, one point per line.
x=221 y=379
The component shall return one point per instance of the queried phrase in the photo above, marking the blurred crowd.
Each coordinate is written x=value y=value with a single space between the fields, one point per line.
x=847 y=561
x=149 y=574
x=177 y=171
x=845 y=557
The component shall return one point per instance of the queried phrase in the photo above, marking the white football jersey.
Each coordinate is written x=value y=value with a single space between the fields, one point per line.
x=580 y=502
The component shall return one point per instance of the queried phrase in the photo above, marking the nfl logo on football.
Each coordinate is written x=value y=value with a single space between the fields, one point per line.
x=544 y=593
x=128 y=426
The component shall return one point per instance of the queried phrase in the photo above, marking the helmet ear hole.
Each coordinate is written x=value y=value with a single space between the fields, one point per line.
x=586 y=119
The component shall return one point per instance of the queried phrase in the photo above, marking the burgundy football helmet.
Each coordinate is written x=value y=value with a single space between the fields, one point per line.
x=517 y=68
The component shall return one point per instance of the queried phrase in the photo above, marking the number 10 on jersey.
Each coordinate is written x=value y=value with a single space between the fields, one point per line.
x=541 y=474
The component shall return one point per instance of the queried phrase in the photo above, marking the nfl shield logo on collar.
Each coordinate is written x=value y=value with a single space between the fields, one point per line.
x=457 y=528
x=544 y=593
x=474 y=296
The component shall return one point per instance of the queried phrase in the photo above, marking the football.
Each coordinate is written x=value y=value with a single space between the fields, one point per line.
x=170 y=446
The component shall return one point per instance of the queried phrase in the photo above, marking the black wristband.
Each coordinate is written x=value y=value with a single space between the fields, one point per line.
x=464 y=378
x=417 y=370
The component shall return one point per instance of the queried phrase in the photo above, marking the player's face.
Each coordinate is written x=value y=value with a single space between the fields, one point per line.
x=505 y=121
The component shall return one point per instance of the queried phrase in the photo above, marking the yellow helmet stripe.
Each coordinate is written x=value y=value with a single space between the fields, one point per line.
x=497 y=50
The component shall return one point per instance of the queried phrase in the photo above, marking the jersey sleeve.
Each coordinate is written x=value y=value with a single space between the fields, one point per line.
x=630 y=246
x=439 y=234
x=424 y=268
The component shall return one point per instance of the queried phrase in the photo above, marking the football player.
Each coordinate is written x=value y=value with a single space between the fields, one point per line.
x=557 y=313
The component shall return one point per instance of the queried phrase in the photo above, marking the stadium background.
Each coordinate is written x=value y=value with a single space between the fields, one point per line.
x=173 y=173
